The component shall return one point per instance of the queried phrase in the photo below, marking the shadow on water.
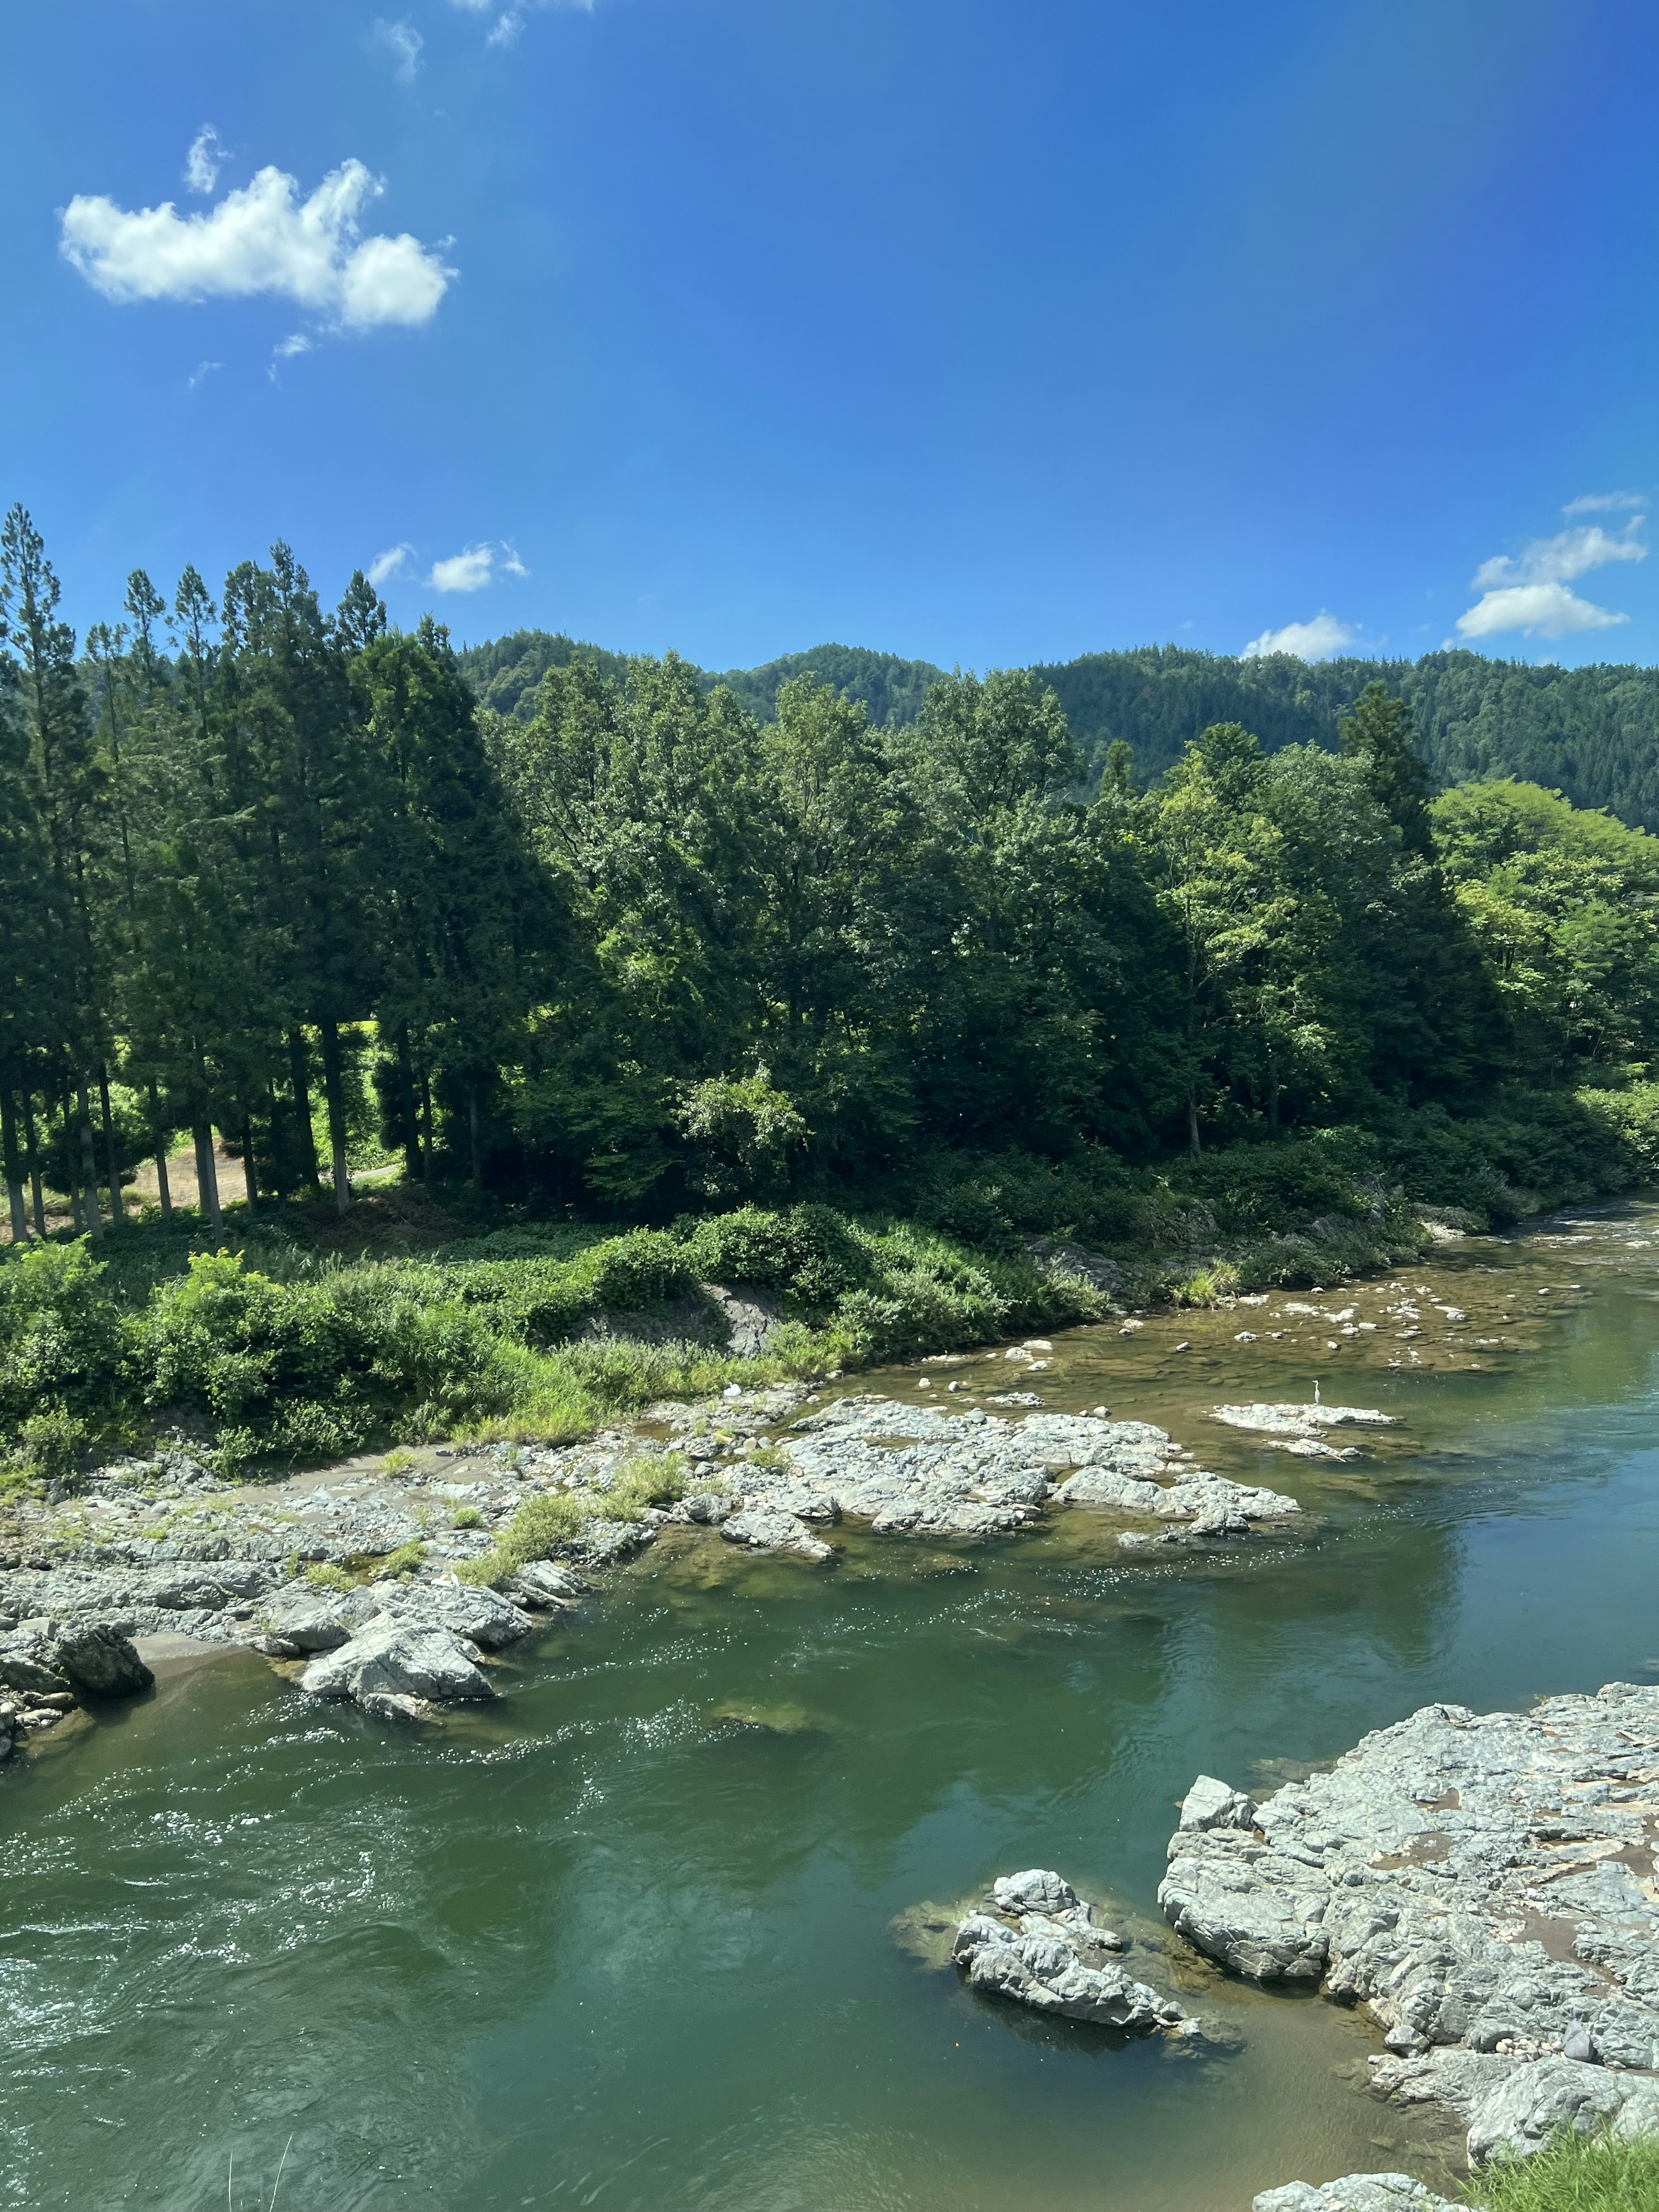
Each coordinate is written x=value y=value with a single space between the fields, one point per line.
x=624 y=1940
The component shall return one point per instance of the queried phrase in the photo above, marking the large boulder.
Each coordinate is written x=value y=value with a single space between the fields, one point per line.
x=399 y=1669
x=1521 y=2115
x=468 y=1610
x=303 y=1619
x=1213 y=1804
x=1040 y=1948
x=1245 y=1906
x=100 y=1662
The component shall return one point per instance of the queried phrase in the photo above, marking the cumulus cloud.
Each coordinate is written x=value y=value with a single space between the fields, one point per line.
x=297 y=342
x=1529 y=590
x=1548 y=609
x=1605 y=502
x=404 y=43
x=205 y=160
x=1559 y=559
x=1309 y=640
x=476 y=566
x=261 y=238
x=385 y=566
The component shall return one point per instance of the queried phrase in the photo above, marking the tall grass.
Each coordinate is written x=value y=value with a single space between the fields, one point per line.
x=1603 y=2172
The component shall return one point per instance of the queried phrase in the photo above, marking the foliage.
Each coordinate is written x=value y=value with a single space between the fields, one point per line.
x=1602 y=2172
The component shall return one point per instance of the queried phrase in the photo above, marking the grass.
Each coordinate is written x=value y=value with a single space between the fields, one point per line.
x=549 y=1520
x=1603 y=2172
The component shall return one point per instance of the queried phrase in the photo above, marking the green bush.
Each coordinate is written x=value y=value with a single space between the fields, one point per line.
x=62 y=1341
x=810 y=1252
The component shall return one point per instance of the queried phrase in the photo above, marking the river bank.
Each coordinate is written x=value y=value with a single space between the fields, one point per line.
x=712 y=1786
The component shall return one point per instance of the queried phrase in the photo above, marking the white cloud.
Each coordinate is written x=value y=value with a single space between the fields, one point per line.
x=201 y=370
x=262 y=237
x=404 y=43
x=1542 y=609
x=1529 y=590
x=1557 y=560
x=298 y=343
x=508 y=25
x=1605 y=502
x=478 y=565
x=1308 y=641
x=205 y=160
x=385 y=566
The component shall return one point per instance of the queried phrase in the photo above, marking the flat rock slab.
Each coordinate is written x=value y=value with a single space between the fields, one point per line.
x=1300 y=1429
x=1037 y=1944
x=909 y=1470
x=1483 y=1883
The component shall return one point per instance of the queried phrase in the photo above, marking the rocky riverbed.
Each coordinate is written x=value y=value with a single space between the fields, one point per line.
x=357 y=1577
x=1483 y=1884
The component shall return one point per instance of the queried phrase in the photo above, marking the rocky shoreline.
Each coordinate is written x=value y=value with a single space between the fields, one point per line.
x=1483 y=1884
x=361 y=1575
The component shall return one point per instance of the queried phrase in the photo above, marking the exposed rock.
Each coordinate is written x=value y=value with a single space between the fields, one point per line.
x=92 y=1657
x=1355 y=2192
x=1074 y=1263
x=913 y=1470
x=28 y=1659
x=478 y=1615
x=750 y=1318
x=399 y=1669
x=1300 y=1429
x=765 y=1529
x=1484 y=1884
x=1213 y=1804
x=1039 y=1947
x=302 y=1619
x=1521 y=2115
x=543 y=1586
x=101 y=1662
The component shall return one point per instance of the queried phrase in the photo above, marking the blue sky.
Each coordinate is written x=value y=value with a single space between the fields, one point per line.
x=987 y=335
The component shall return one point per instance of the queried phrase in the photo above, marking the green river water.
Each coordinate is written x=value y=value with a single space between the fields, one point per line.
x=628 y=1940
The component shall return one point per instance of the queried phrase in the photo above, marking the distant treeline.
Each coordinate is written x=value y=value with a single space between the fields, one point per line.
x=632 y=942
x=1591 y=733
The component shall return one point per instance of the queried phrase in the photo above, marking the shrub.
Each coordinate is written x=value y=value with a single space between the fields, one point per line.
x=468 y=1517
x=321 y=1574
x=63 y=1343
x=811 y=1252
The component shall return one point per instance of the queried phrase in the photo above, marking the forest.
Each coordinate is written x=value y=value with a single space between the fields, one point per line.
x=858 y=1006
x=1591 y=733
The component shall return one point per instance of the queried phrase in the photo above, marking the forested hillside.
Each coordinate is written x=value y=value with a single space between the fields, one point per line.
x=630 y=953
x=1591 y=733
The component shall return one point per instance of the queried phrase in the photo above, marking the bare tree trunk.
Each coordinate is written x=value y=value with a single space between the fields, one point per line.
x=19 y=1219
x=162 y=1186
x=117 y=1205
x=207 y=1177
x=329 y=1034
x=1192 y=1122
x=406 y=1112
x=426 y=1133
x=296 y=1064
x=89 y=1169
x=35 y=1189
x=250 y=1173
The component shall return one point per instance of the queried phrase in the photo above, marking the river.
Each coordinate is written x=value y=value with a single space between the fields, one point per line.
x=627 y=1939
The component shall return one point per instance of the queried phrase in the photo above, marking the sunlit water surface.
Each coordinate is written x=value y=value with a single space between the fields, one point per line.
x=626 y=1941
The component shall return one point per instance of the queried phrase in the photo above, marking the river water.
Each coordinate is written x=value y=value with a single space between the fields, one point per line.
x=636 y=1938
